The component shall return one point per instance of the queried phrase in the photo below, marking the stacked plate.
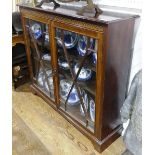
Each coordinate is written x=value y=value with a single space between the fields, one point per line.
x=82 y=44
x=50 y=81
x=73 y=100
x=92 y=109
x=46 y=57
x=42 y=80
x=36 y=29
x=85 y=101
x=63 y=63
x=89 y=104
x=94 y=57
x=65 y=86
x=85 y=73
x=70 y=38
x=47 y=37
x=46 y=33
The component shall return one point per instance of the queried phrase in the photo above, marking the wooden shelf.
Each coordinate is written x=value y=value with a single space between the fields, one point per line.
x=19 y=56
x=87 y=63
x=17 y=39
x=75 y=57
x=19 y=61
x=89 y=85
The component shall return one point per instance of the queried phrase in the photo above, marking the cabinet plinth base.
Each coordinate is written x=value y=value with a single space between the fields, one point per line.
x=100 y=146
x=35 y=90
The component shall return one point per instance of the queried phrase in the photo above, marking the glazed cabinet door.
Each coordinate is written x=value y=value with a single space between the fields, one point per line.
x=39 y=51
x=76 y=54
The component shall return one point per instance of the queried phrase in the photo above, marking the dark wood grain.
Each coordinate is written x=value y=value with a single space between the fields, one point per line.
x=118 y=63
x=105 y=18
x=115 y=35
x=17 y=39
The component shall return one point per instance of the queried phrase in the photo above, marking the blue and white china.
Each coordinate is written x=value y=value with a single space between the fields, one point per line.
x=46 y=26
x=92 y=109
x=65 y=86
x=49 y=72
x=85 y=101
x=94 y=57
x=46 y=33
x=70 y=38
x=46 y=57
x=50 y=80
x=82 y=44
x=47 y=37
x=36 y=29
x=40 y=79
x=63 y=63
x=85 y=73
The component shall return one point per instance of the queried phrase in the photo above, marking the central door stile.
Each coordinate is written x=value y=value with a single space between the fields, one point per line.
x=101 y=56
x=54 y=62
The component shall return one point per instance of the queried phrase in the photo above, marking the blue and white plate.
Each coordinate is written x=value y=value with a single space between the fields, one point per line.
x=46 y=57
x=40 y=79
x=85 y=101
x=50 y=80
x=82 y=44
x=92 y=109
x=94 y=57
x=63 y=63
x=65 y=86
x=46 y=33
x=47 y=37
x=70 y=38
x=36 y=29
x=49 y=72
x=85 y=73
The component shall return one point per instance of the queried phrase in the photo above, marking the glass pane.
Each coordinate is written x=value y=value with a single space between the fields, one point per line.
x=40 y=56
x=77 y=60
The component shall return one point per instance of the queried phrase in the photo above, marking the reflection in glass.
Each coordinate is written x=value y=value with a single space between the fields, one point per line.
x=65 y=86
x=70 y=38
x=40 y=56
x=85 y=73
x=77 y=60
x=36 y=29
x=82 y=44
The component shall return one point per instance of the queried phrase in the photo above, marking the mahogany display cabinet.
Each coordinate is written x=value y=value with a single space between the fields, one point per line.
x=80 y=65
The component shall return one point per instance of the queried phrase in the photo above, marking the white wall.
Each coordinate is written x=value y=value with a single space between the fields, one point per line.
x=137 y=4
x=13 y=5
x=132 y=7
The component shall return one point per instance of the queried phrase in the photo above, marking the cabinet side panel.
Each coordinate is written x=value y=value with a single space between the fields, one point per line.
x=118 y=63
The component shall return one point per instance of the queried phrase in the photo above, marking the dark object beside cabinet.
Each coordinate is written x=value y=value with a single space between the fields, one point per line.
x=20 y=71
x=19 y=65
x=88 y=96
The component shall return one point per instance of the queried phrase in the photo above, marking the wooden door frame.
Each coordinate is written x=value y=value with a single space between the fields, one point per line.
x=83 y=28
x=95 y=32
x=38 y=17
